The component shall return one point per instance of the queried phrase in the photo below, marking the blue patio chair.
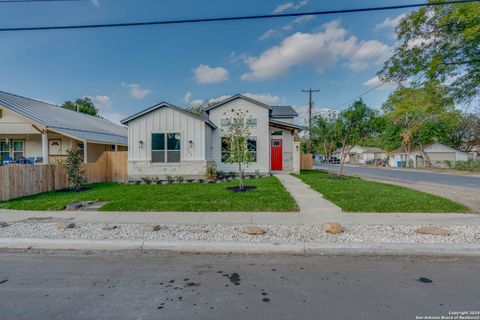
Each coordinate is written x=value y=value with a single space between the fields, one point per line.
x=7 y=160
x=31 y=160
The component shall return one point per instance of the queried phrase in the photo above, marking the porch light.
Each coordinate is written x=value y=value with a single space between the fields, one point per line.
x=140 y=144
x=190 y=143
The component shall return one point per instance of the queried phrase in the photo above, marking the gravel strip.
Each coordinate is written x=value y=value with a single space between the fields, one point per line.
x=274 y=233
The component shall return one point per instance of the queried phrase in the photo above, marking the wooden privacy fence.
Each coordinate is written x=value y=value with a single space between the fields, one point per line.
x=22 y=180
x=306 y=161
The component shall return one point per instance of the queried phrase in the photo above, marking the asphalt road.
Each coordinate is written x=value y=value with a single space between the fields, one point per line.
x=471 y=182
x=72 y=286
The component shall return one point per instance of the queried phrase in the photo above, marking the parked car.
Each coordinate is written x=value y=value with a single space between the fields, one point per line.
x=334 y=160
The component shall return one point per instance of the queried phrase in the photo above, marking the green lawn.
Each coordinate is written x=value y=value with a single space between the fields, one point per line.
x=357 y=195
x=270 y=195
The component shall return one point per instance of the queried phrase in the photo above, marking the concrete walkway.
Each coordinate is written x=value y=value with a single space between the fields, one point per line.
x=314 y=210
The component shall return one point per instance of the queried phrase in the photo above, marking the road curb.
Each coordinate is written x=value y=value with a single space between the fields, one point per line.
x=226 y=247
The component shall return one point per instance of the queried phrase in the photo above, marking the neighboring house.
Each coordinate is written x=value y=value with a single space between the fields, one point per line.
x=44 y=132
x=168 y=140
x=362 y=155
x=437 y=153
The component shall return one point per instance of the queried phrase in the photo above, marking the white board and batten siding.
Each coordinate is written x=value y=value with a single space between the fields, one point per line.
x=260 y=132
x=166 y=120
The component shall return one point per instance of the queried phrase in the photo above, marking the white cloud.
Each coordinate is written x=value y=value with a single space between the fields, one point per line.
x=96 y=3
x=322 y=49
x=207 y=74
x=290 y=5
x=375 y=81
x=266 y=98
x=103 y=101
x=187 y=97
x=270 y=34
x=390 y=22
x=197 y=103
x=136 y=91
x=303 y=19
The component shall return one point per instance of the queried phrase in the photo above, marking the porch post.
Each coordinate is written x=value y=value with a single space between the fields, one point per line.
x=85 y=153
x=45 y=147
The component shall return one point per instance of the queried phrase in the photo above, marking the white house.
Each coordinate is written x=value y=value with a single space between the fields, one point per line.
x=437 y=153
x=42 y=132
x=362 y=155
x=168 y=140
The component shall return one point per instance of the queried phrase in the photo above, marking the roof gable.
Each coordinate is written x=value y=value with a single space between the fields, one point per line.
x=238 y=96
x=283 y=112
x=164 y=104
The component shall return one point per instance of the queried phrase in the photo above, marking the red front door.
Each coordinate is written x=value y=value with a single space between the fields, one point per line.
x=277 y=154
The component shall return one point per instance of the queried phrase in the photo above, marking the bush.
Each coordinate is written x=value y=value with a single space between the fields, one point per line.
x=169 y=179
x=73 y=165
x=179 y=179
x=211 y=173
x=469 y=165
x=146 y=180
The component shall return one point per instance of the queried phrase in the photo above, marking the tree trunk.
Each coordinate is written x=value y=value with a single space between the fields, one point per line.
x=425 y=156
x=343 y=156
x=329 y=165
x=240 y=175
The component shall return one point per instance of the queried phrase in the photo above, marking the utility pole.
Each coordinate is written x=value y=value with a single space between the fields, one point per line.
x=310 y=107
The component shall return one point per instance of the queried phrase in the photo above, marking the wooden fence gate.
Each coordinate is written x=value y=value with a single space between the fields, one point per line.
x=306 y=161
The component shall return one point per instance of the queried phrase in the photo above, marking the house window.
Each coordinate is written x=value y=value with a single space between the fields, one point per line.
x=225 y=149
x=252 y=122
x=166 y=147
x=4 y=152
x=18 y=149
x=224 y=122
x=251 y=147
x=276 y=132
x=81 y=148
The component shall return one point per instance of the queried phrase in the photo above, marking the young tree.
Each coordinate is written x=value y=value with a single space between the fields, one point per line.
x=355 y=124
x=84 y=105
x=73 y=165
x=237 y=136
x=325 y=137
x=439 y=44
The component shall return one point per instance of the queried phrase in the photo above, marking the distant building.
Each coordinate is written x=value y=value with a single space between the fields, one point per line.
x=362 y=155
x=437 y=153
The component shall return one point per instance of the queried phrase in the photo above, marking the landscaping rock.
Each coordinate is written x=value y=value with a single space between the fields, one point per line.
x=151 y=228
x=3 y=224
x=254 y=231
x=333 y=228
x=436 y=231
x=109 y=227
x=65 y=225
x=74 y=206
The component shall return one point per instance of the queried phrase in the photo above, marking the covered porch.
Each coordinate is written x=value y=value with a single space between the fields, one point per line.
x=284 y=147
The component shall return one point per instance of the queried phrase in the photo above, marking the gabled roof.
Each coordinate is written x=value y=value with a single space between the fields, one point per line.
x=283 y=112
x=238 y=96
x=203 y=117
x=74 y=124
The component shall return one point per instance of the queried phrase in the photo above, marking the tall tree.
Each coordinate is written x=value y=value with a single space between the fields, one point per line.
x=355 y=124
x=84 y=105
x=439 y=44
x=420 y=116
x=466 y=133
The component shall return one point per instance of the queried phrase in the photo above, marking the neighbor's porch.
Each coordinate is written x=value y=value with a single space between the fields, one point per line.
x=48 y=147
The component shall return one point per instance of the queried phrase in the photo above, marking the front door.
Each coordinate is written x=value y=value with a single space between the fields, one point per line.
x=277 y=154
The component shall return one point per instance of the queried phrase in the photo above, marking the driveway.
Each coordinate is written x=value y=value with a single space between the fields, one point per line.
x=408 y=176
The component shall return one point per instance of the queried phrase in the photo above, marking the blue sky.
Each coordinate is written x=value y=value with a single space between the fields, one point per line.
x=126 y=70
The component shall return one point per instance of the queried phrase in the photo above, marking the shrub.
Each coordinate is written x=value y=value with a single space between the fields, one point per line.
x=232 y=174
x=146 y=180
x=220 y=175
x=73 y=165
x=211 y=173
x=169 y=178
x=179 y=179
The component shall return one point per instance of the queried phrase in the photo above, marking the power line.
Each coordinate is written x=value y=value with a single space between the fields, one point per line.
x=39 y=1
x=235 y=18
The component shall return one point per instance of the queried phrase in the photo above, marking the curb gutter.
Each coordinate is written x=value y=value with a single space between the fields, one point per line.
x=298 y=248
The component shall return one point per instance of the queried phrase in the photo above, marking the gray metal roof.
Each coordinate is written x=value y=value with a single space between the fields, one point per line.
x=283 y=111
x=237 y=96
x=285 y=124
x=203 y=117
x=75 y=124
